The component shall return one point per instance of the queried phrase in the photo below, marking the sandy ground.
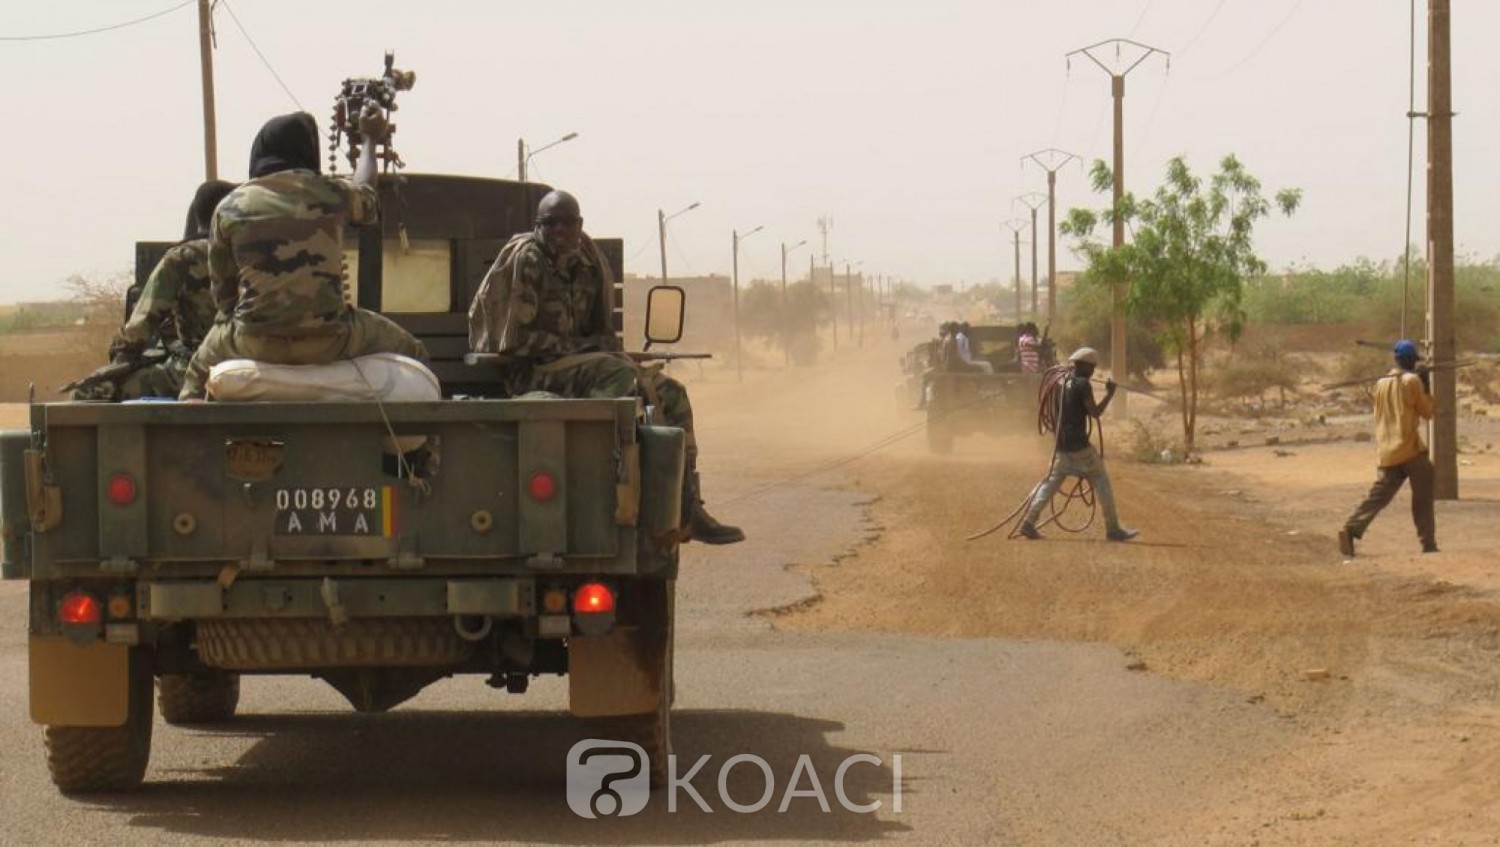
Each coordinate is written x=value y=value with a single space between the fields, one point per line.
x=1379 y=673
x=1385 y=664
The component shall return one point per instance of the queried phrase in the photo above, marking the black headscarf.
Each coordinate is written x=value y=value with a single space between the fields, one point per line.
x=285 y=143
x=201 y=212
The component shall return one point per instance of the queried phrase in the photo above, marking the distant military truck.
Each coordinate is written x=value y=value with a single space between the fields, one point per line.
x=192 y=544
x=964 y=400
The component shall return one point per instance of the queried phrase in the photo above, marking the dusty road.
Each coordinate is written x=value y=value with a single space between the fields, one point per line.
x=1059 y=692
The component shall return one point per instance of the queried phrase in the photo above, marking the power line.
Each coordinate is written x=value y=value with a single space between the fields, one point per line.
x=263 y=59
x=1138 y=20
x=1263 y=42
x=96 y=30
x=1202 y=29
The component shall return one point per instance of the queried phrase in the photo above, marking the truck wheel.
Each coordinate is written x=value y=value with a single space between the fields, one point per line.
x=653 y=730
x=84 y=759
x=187 y=699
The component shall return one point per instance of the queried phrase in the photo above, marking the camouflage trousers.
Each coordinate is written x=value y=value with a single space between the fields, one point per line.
x=163 y=379
x=358 y=333
x=606 y=375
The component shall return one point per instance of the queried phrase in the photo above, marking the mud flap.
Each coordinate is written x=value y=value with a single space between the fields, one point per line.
x=614 y=674
x=74 y=685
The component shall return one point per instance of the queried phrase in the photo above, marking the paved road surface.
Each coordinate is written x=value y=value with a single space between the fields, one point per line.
x=1000 y=742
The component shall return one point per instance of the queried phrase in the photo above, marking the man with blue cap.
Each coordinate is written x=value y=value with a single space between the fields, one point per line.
x=1403 y=399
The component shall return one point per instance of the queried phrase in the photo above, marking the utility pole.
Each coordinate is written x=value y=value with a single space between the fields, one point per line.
x=739 y=350
x=1119 y=363
x=1015 y=225
x=661 y=238
x=1440 y=298
x=206 y=62
x=849 y=272
x=521 y=161
x=1051 y=160
x=786 y=346
x=1033 y=200
x=825 y=223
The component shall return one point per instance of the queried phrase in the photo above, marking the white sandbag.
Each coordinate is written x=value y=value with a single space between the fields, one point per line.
x=387 y=377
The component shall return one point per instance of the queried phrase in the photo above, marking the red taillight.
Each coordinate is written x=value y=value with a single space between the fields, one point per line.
x=121 y=490
x=542 y=487
x=78 y=608
x=593 y=598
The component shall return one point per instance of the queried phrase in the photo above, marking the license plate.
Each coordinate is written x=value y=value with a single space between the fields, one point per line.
x=357 y=510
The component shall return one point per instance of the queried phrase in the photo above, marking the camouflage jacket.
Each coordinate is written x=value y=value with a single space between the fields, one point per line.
x=528 y=307
x=174 y=304
x=276 y=251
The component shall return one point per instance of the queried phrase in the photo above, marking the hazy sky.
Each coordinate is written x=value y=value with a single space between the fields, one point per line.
x=903 y=121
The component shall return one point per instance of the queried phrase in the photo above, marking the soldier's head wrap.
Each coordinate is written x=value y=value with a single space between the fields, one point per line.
x=286 y=142
x=201 y=212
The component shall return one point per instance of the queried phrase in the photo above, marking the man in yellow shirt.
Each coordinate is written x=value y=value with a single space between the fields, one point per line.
x=1402 y=401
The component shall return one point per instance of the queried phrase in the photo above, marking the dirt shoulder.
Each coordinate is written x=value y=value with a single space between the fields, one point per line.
x=1387 y=662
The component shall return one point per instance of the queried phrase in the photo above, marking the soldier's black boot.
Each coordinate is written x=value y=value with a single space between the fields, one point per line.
x=703 y=526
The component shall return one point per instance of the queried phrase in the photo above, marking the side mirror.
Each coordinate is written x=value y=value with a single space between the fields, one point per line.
x=666 y=306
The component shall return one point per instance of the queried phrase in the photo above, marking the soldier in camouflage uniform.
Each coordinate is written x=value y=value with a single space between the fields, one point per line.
x=276 y=258
x=173 y=311
x=545 y=305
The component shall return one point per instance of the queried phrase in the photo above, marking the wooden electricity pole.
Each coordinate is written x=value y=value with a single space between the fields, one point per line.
x=1440 y=299
x=206 y=63
x=1051 y=160
x=1118 y=362
x=1033 y=200
x=1015 y=225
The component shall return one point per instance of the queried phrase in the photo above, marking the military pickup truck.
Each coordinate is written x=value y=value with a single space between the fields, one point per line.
x=187 y=545
x=964 y=399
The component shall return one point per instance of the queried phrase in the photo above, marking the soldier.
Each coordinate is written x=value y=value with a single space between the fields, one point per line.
x=546 y=305
x=276 y=258
x=174 y=310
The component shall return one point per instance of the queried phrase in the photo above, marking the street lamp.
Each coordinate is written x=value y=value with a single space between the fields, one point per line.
x=661 y=232
x=739 y=353
x=786 y=349
x=523 y=156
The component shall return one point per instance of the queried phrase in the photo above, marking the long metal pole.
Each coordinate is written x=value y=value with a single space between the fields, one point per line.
x=1119 y=363
x=1033 y=261
x=206 y=62
x=1440 y=295
x=739 y=351
x=1018 y=275
x=786 y=350
x=1051 y=246
x=661 y=237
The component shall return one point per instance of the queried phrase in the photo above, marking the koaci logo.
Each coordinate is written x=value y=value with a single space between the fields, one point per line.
x=607 y=778
x=612 y=779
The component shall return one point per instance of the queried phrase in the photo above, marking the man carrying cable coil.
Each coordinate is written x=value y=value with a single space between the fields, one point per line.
x=1074 y=412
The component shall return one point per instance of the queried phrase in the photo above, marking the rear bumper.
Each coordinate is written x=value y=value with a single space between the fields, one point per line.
x=178 y=600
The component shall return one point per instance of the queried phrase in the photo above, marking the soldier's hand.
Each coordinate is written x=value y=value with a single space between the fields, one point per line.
x=1109 y=386
x=1424 y=373
x=372 y=123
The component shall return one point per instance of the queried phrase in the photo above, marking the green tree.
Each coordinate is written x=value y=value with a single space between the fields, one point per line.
x=793 y=321
x=1185 y=267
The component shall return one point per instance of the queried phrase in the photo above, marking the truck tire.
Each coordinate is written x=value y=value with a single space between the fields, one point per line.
x=84 y=759
x=187 y=699
x=939 y=431
x=297 y=643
